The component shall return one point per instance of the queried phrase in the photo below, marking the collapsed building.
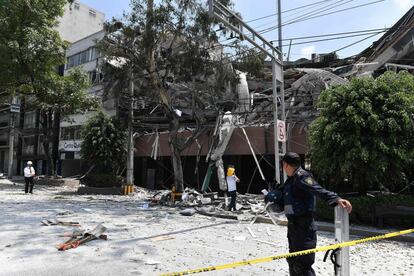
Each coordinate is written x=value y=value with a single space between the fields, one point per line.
x=226 y=142
x=304 y=81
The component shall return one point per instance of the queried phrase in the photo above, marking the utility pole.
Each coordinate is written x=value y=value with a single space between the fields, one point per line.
x=236 y=24
x=14 y=108
x=281 y=82
x=130 y=153
x=11 y=146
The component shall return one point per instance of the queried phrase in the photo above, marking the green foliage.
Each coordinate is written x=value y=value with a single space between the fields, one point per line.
x=103 y=180
x=104 y=144
x=363 y=209
x=251 y=61
x=30 y=47
x=170 y=46
x=179 y=35
x=30 y=52
x=66 y=94
x=365 y=133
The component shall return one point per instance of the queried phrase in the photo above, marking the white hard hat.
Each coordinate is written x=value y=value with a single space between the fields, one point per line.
x=29 y=163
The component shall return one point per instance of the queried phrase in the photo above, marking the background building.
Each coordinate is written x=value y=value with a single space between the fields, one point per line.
x=83 y=54
x=78 y=21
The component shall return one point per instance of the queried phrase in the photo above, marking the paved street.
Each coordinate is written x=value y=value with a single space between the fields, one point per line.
x=154 y=240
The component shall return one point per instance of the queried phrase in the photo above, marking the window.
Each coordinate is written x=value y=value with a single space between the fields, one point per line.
x=71 y=133
x=29 y=120
x=94 y=77
x=28 y=145
x=81 y=58
x=92 y=13
x=76 y=5
x=41 y=148
x=93 y=53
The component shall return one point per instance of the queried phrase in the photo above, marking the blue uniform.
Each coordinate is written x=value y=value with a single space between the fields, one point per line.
x=297 y=199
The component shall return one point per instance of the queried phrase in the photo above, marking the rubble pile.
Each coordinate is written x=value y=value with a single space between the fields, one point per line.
x=249 y=207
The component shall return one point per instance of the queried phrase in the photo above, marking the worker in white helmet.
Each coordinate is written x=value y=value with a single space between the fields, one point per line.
x=29 y=174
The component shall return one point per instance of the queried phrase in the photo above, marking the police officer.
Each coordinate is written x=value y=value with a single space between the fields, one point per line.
x=297 y=199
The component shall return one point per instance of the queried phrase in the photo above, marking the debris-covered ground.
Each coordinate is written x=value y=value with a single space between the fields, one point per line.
x=149 y=240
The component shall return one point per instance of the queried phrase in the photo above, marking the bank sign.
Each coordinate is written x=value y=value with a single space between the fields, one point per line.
x=72 y=145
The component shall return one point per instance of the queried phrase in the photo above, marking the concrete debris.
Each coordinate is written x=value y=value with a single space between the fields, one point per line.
x=302 y=89
x=48 y=222
x=188 y=212
x=152 y=262
x=250 y=207
x=251 y=232
x=162 y=238
x=267 y=242
x=77 y=238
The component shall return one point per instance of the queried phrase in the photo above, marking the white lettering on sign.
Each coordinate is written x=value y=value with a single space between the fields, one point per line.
x=73 y=145
x=281 y=131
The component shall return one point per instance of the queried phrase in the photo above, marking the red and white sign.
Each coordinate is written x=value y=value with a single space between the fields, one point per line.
x=281 y=131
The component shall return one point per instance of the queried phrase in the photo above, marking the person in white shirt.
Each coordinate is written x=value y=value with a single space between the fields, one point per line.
x=231 y=187
x=29 y=173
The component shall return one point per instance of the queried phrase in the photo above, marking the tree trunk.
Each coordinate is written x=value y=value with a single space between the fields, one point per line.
x=178 y=168
x=46 y=136
x=55 y=141
x=176 y=155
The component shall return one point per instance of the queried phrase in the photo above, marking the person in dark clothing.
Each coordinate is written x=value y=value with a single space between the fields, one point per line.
x=297 y=199
x=29 y=174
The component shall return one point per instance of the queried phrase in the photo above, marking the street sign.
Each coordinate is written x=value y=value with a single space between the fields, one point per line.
x=15 y=108
x=281 y=131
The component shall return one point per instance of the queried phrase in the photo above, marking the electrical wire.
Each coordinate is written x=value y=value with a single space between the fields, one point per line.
x=352 y=44
x=319 y=10
x=317 y=16
x=297 y=8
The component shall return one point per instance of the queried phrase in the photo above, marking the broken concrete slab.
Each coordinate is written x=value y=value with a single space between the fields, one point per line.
x=188 y=212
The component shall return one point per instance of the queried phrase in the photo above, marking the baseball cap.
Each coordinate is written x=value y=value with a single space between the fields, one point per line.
x=29 y=163
x=291 y=158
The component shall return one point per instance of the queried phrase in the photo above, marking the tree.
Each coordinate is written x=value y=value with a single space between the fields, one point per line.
x=29 y=46
x=56 y=100
x=164 y=46
x=104 y=144
x=365 y=132
x=250 y=60
x=31 y=51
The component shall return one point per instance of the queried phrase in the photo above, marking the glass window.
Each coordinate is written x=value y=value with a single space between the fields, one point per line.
x=76 y=6
x=28 y=145
x=82 y=57
x=93 y=53
x=70 y=133
x=92 y=13
x=29 y=120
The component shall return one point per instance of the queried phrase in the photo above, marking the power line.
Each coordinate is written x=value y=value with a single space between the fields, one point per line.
x=352 y=44
x=333 y=38
x=346 y=9
x=317 y=16
x=334 y=34
x=352 y=34
x=316 y=11
x=310 y=8
x=297 y=8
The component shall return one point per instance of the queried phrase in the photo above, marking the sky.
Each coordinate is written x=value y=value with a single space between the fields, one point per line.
x=382 y=14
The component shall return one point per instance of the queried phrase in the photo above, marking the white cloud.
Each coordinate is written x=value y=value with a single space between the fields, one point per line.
x=306 y=52
x=404 y=4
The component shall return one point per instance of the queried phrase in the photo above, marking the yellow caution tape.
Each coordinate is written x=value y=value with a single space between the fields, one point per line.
x=289 y=255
